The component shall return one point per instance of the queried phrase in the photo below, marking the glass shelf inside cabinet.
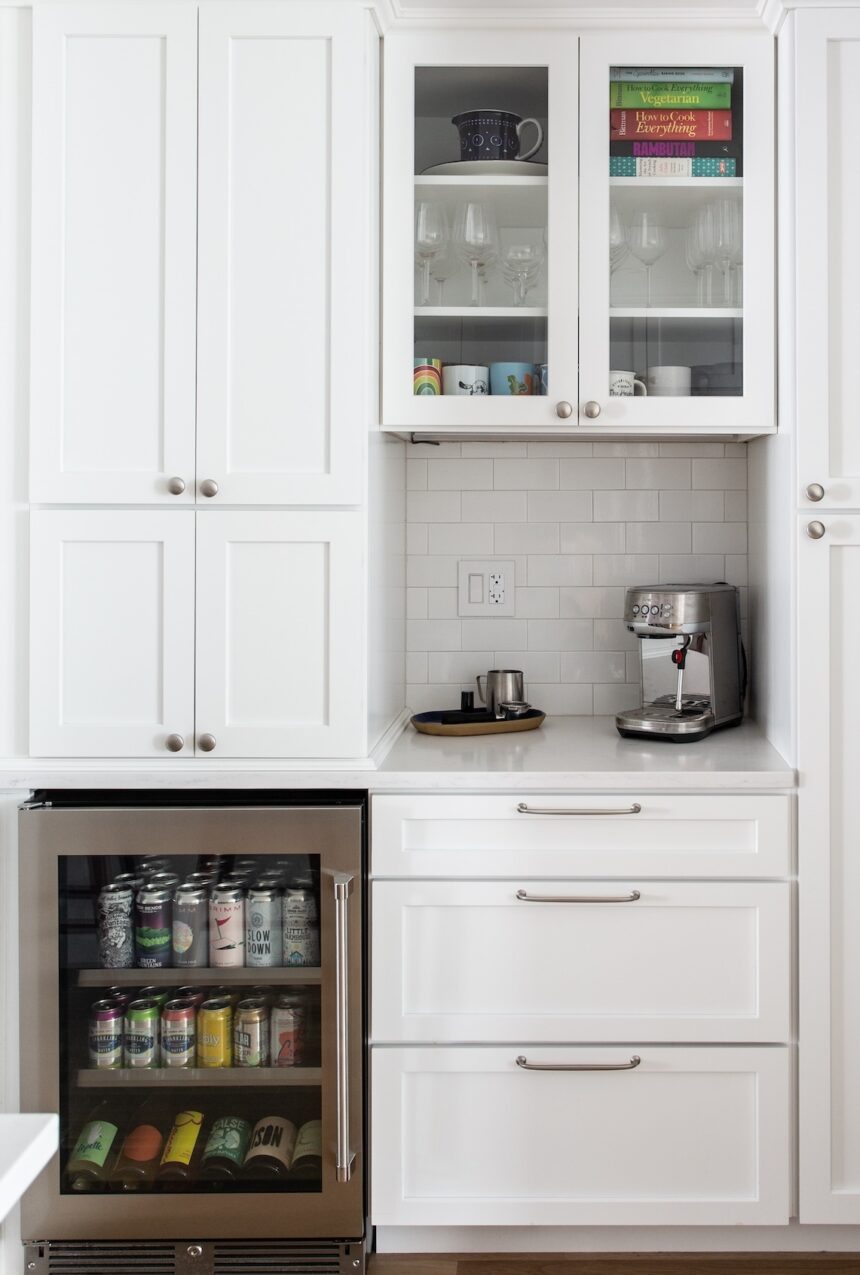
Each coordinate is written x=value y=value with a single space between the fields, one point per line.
x=480 y=241
x=676 y=231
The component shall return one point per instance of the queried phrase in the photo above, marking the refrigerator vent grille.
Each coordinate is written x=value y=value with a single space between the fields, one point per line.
x=262 y=1257
x=111 y=1259
x=265 y=1258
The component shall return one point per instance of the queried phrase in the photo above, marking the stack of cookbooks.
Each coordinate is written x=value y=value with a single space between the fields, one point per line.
x=674 y=122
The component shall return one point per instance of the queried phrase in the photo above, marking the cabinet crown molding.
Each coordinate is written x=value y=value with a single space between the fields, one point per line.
x=744 y=14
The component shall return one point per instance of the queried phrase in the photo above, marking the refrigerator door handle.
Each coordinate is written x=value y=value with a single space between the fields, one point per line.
x=342 y=891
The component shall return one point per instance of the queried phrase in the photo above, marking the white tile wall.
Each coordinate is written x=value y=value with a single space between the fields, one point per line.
x=581 y=521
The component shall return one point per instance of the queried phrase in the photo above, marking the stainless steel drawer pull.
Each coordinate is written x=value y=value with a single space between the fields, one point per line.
x=345 y=1154
x=523 y=809
x=578 y=898
x=523 y=1062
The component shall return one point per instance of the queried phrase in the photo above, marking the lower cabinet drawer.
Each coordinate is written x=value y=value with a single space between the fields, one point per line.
x=484 y=961
x=467 y=1136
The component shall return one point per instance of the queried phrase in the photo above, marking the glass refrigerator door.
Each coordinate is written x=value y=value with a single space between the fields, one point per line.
x=185 y=1012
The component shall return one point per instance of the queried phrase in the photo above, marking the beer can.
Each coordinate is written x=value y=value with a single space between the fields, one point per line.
x=115 y=926
x=158 y=994
x=178 y=1033
x=246 y=865
x=263 y=927
x=141 y=1033
x=251 y=1033
x=206 y=879
x=106 y=1032
x=120 y=996
x=191 y=927
x=166 y=880
x=153 y=932
x=215 y=1033
x=226 y=994
x=227 y=926
x=301 y=931
x=288 y=1030
x=196 y=994
x=134 y=879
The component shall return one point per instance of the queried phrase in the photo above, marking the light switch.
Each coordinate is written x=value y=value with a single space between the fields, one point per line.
x=486 y=588
x=476 y=587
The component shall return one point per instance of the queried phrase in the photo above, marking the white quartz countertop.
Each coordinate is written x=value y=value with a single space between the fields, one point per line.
x=27 y=1143
x=566 y=753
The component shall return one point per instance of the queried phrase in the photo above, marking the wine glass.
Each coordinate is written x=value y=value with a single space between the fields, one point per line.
x=704 y=249
x=646 y=239
x=477 y=240
x=521 y=265
x=442 y=267
x=617 y=240
x=728 y=241
x=431 y=239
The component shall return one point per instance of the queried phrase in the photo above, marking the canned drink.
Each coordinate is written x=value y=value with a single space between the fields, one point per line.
x=141 y=1033
x=116 y=927
x=270 y=880
x=288 y=1030
x=196 y=994
x=301 y=931
x=251 y=1033
x=267 y=993
x=134 y=879
x=191 y=927
x=263 y=927
x=106 y=1033
x=178 y=1033
x=120 y=996
x=153 y=932
x=158 y=994
x=166 y=880
x=206 y=879
x=246 y=865
x=227 y=925
x=215 y=1033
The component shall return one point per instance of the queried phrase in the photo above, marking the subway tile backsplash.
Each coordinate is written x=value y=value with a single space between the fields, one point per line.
x=581 y=521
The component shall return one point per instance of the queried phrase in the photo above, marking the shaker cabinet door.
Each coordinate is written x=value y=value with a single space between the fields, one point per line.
x=113 y=252
x=279 y=624
x=111 y=633
x=284 y=284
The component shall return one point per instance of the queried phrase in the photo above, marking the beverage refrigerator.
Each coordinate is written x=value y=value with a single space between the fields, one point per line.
x=192 y=1005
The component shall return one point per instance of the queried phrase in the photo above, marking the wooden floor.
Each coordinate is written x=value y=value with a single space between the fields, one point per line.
x=622 y=1264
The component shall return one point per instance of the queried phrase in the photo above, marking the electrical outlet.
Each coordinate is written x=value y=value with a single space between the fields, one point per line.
x=486 y=587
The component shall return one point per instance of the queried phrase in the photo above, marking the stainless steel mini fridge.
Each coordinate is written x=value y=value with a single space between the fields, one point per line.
x=263 y=1150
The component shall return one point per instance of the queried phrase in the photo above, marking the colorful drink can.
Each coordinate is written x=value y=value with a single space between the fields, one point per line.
x=191 y=926
x=251 y=1033
x=227 y=926
x=120 y=996
x=115 y=926
x=196 y=994
x=166 y=880
x=263 y=927
x=426 y=375
x=106 y=1033
x=141 y=1033
x=215 y=1034
x=288 y=1030
x=301 y=931
x=161 y=995
x=179 y=1033
x=134 y=879
x=153 y=929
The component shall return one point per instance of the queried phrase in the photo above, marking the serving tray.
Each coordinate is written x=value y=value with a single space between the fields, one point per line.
x=431 y=724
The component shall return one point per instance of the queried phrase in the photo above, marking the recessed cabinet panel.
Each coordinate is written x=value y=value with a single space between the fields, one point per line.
x=279 y=619
x=113 y=278
x=112 y=625
x=283 y=252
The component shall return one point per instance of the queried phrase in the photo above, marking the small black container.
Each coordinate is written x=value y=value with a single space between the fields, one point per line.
x=492 y=134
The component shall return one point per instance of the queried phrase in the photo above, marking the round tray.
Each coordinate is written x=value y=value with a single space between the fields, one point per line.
x=431 y=724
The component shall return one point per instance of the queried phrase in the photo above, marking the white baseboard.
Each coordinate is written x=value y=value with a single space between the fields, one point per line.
x=793 y=1238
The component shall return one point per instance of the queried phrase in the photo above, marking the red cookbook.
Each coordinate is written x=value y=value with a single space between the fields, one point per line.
x=626 y=125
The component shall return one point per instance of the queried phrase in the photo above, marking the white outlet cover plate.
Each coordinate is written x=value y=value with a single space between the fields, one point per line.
x=468 y=569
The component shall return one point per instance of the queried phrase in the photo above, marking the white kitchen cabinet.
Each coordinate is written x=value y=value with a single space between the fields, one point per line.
x=280 y=604
x=113 y=252
x=580 y=961
x=468 y=1137
x=111 y=633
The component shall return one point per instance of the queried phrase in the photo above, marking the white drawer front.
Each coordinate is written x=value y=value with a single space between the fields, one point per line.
x=702 y=962
x=724 y=836
x=689 y=1136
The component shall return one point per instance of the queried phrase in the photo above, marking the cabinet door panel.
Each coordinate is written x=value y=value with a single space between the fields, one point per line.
x=112 y=633
x=113 y=278
x=283 y=248
x=279 y=625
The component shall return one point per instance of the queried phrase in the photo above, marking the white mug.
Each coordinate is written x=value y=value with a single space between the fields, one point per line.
x=624 y=384
x=465 y=378
x=668 y=382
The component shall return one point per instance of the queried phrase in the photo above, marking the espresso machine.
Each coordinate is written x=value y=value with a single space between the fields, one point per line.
x=692 y=661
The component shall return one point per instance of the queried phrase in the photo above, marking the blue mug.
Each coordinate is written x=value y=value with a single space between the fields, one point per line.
x=514 y=378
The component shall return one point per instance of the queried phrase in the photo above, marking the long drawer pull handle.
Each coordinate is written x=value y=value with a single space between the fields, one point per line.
x=523 y=1062
x=525 y=897
x=523 y=809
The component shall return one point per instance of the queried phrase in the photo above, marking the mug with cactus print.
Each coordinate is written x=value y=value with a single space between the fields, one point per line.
x=514 y=378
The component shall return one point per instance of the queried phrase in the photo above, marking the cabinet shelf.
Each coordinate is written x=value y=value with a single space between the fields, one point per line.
x=674 y=312
x=517 y=201
x=709 y=184
x=246 y=976
x=478 y=312
x=197 y=1077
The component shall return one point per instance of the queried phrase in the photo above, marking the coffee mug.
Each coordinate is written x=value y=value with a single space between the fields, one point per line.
x=503 y=685
x=492 y=134
x=624 y=384
x=427 y=375
x=465 y=378
x=513 y=378
x=668 y=382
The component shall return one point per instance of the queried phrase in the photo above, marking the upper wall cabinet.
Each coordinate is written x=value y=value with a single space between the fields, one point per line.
x=246 y=252
x=579 y=234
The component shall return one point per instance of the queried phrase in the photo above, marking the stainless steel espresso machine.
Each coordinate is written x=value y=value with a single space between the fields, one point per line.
x=693 y=662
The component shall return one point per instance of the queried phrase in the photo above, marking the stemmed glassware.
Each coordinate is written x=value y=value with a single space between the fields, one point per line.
x=617 y=240
x=646 y=239
x=521 y=264
x=431 y=241
x=442 y=267
x=728 y=241
x=700 y=250
x=476 y=238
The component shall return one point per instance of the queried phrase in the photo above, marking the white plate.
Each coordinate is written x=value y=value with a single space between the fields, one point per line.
x=487 y=167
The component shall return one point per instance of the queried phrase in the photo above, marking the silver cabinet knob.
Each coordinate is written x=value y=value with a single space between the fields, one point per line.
x=563 y=410
x=592 y=409
x=207 y=743
x=815 y=530
x=175 y=743
x=209 y=487
x=815 y=492
x=176 y=485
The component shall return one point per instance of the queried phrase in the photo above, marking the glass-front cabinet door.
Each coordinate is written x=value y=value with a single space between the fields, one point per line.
x=676 y=216
x=480 y=231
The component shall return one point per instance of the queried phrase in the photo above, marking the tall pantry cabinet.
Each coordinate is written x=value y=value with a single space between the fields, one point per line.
x=202 y=206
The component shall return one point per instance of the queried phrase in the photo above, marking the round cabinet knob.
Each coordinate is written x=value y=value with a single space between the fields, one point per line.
x=563 y=410
x=815 y=530
x=209 y=487
x=592 y=409
x=815 y=492
x=175 y=743
x=176 y=486
x=207 y=743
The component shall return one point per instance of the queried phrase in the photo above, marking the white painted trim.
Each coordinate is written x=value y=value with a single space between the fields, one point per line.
x=389 y=738
x=793 y=1238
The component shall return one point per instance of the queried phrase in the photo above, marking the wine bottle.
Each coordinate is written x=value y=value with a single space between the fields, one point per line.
x=271 y=1148
x=307 y=1153
x=140 y=1153
x=181 y=1154
x=94 y=1153
x=225 y=1149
